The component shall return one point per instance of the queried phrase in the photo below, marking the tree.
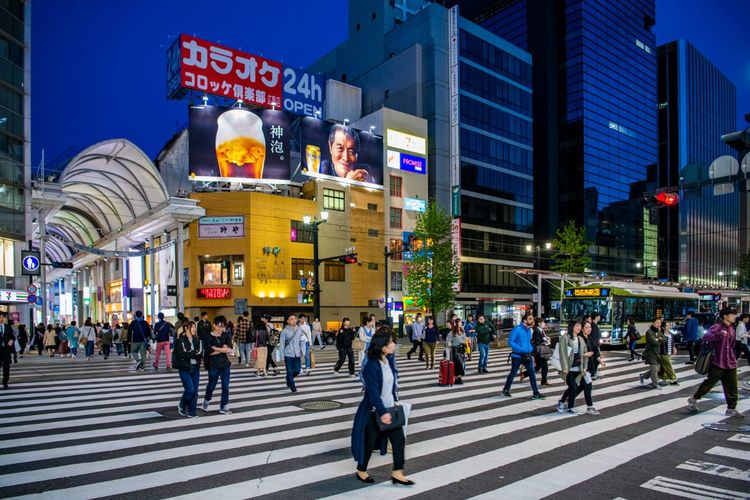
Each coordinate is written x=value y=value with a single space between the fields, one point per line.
x=571 y=249
x=743 y=266
x=432 y=271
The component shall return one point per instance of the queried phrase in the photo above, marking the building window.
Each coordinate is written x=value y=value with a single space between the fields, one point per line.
x=395 y=218
x=397 y=278
x=396 y=186
x=372 y=207
x=372 y=266
x=333 y=200
x=239 y=273
x=397 y=245
x=372 y=232
x=302 y=268
x=301 y=232
x=372 y=303
x=7 y=259
x=335 y=271
x=215 y=271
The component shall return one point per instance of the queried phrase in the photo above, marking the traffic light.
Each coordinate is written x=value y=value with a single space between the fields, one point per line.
x=665 y=199
x=349 y=259
x=62 y=265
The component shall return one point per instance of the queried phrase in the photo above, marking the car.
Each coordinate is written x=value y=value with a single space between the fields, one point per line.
x=329 y=336
x=705 y=320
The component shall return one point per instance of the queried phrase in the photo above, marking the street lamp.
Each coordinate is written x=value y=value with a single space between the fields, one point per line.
x=537 y=248
x=316 y=261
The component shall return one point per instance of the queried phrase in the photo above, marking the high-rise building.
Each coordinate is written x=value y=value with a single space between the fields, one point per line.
x=699 y=239
x=594 y=115
x=15 y=157
x=399 y=54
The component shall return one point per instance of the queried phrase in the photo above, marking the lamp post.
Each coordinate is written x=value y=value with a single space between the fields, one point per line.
x=316 y=260
x=537 y=248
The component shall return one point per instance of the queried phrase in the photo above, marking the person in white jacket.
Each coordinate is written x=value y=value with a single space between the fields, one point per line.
x=365 y=333
x=307 y=334
x=740 y=345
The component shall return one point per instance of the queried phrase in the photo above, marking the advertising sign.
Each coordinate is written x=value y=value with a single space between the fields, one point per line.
x=215 y=69
x=304 y=93
x=456 y=244
x=339 y=152
x=167 y=277
x=415 y=205
x=238 y=144
x=407 y=142
x=403 y=161
x=13 y=296
x=221 y=227
x=214 y=293
x=455 y=172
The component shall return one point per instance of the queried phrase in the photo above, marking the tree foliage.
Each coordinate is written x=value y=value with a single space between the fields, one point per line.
x=432 y=271
x=571 y=249
x=743 y=268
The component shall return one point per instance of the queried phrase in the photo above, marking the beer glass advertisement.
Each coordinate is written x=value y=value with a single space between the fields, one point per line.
x=339 y=152
x=239 y=144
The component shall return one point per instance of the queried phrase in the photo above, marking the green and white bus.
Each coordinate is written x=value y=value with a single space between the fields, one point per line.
x=616 y=301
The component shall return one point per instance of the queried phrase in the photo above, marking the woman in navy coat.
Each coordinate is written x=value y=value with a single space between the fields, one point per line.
x=380 y=379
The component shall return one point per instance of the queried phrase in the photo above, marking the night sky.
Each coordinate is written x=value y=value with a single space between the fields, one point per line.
x=98 y=66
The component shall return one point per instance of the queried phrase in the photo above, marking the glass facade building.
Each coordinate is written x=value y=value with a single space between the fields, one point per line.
x=699 y=240
x=594 y=115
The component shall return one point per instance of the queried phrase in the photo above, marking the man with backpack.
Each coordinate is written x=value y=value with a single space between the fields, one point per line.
x=164 y=331
x=140 y=333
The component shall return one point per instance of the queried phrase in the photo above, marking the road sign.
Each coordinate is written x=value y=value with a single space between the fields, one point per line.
x=30 y=263
x=31 y=289
x=32 y=298
x=39 y=300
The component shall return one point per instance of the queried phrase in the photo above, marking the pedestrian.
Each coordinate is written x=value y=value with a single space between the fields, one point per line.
x=163 y=331
x=292 y=344
x=39 y=332
x=431 y=336
x=666 y=350
x=140 y=334
x=88 y=336
x=219 y=345
x=50 y=340
x=721 y=338
x=241 y=338
x=470 y=327
x=632 y=337
x=522 y=355
x=23 y=339
x=261 y=347
x=73 y=336
x=597 y=341
x=117 y=338
x=417 y=335
x=364 y=335
x=7 y=343
x=651 y=354
x=485 y=333
x=317 y=332
x=344 y=343
x=204 y=329
x=575 y=357
x=106 y=339
x=741 y=334
x=127 y=340
x=542 y=349
x=380 y=381
x=455 y=344
x=273 y=342
x=188 y=355
x=307 y=334
x=14 y=332
x=63 y=344
x=690 y=336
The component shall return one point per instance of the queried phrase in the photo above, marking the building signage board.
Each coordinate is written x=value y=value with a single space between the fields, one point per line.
x=415 y=205
x=456 y=245
x=403 y=161
x=406 y=142
x=303 y=93
x=221 y=227
x=214 y=293
x=240 y=306
x=455 y=172
x=13 y=296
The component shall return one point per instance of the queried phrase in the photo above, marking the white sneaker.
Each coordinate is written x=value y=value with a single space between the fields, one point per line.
x=560 y=407
x=225 y=411
x=205 y=405
x=732 y=412
x=592 y=411
x=180 y=410
x=247 y=365
x=692 y=404
x=308 y=371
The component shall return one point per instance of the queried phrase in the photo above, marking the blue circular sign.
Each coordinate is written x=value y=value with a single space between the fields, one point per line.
x=32 y=298
x=30 y=263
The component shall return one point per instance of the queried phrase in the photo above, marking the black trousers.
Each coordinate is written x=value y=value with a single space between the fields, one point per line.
x=728 y=380
x=572 y=391
x=542 y=364
x=395 y=436
x=414 y=345
x=269 y=359
x=691 y=345
x=5 y=362
x=743 y=348
x=106 y=349
x=585 y=388
x=345 y=352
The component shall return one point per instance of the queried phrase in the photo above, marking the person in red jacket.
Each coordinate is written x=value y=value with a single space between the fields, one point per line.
x=721 y=337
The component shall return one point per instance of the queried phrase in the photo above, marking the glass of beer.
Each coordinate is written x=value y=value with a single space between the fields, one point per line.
x=312 y=154
x=240 y=144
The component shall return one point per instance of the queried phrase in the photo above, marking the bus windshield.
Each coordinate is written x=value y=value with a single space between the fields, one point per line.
x=577 y=308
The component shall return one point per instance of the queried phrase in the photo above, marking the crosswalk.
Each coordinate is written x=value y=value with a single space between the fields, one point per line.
x=91 y=430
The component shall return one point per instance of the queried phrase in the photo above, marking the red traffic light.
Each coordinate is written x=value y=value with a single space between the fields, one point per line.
x=667 y=199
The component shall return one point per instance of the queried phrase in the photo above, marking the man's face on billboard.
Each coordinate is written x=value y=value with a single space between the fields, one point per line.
x=343 y=153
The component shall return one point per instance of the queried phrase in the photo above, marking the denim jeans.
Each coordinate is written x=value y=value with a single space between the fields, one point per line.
x=190 y=381
x=246 y=348
x=307 y=356
x=484 y=353
x=213 y=377
x=516 y=364
x=90 y=349
x=293 y=367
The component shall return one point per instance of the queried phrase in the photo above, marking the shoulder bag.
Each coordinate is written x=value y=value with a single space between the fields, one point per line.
x=398 y=419
x=705 y=359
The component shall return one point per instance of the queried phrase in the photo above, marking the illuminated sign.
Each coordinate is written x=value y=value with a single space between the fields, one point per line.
x=587 y=292
x=403 y=161
x=13 y=296
x=415 y=205
x=407 y=142
x=214 y=293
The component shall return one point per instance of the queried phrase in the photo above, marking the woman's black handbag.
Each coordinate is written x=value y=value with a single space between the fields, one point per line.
x=398 y=419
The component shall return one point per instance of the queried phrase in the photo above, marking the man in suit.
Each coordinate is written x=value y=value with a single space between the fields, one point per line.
x=7 y=344
x=204 y=329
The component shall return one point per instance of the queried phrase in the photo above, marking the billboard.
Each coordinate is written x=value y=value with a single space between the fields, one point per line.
x=304 y=93
x=403 y=161
x=339 y=152
x=196 y=64
x=239 y=144
x=221 y=227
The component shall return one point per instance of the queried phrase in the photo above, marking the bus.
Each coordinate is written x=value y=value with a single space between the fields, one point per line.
x=712 y=301
x=617 y=301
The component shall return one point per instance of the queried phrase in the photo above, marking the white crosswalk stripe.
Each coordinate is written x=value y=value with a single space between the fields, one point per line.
x=687 y=489
x=59 y=443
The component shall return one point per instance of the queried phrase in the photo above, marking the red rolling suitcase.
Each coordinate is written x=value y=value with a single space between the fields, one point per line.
x=447 y=373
